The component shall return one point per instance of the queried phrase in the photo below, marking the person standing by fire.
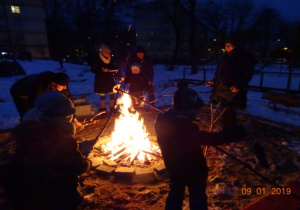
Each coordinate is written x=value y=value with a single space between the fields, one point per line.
x=230 y=84
x=179 y=139
x=138 y=84
x=27 y=89
x=105 y=75
x=140 y=56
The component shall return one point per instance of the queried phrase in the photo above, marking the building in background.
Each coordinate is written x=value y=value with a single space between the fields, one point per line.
x=156 y=29
x=23 y=29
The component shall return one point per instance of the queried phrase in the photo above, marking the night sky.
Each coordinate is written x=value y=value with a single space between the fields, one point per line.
x=290 y=9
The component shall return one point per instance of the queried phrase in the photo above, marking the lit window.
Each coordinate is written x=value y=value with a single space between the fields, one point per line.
x=15 y=9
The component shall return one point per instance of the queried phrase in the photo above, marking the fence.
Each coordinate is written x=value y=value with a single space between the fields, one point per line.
x=275 y=80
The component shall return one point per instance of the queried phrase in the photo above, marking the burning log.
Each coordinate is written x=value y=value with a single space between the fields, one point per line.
x=122 y=157
x=120 y=151
x=134 y=157
x=146 y=159
x=105 y=153
x=153 y=154
x=129 y=143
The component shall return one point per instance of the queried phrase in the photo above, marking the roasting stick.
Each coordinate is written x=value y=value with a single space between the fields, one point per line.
x=212 y=121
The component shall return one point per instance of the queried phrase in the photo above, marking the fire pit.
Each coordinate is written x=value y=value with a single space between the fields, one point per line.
x=129 y=149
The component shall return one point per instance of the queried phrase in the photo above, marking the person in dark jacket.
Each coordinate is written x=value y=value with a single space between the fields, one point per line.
x=105 y=75
x=179 y=139
x=137 y=82
x=44 y=171
x=230 y=84
x=27 y=89
x=140 y=56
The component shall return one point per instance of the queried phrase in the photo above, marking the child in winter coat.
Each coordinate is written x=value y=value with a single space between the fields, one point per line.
x=180 y=140
x=44 y=171
x=137 y=82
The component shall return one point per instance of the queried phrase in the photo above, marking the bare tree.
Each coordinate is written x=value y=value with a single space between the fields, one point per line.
x=193 y=24
x=266 y=26
x=58 y=27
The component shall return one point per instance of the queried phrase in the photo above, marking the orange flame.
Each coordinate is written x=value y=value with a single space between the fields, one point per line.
x=129 y=135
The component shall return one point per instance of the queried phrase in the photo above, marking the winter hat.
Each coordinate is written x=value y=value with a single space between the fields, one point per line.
x=140 y=50
x=104 y=49
x=61 y=79
x=135 y=68
x=54 y=104
x=186 y=99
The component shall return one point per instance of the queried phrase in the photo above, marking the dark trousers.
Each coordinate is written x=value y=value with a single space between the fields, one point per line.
x=22 y=105
x=229 y=118
x=197 y=195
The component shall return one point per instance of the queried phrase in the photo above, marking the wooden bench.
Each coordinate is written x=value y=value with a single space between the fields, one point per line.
x=286 y=99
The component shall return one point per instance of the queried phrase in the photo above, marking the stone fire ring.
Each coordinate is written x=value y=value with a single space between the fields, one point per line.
x=144 y=174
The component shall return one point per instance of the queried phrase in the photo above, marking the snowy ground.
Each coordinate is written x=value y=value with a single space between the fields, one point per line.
x=82 y=83
x=226 y=179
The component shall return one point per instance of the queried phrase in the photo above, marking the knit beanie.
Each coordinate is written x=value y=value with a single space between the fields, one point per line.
x=186 y=99
x=104 y=49
x=61 y=79
x=54 y=104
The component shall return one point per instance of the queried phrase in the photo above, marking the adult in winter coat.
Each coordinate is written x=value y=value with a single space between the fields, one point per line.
x=44 y=172
x=105 y=73
x=140 y=56
x=27 y=89
x=231 y=80
x=137 y=82
x=179 y=139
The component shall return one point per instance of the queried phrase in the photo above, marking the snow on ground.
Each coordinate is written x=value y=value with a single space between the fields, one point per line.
x=82 y=81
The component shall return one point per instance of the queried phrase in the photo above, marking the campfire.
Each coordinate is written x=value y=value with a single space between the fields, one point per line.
x=130 y=144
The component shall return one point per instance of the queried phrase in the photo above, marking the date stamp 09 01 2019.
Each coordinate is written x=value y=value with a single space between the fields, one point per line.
x=264 y=191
